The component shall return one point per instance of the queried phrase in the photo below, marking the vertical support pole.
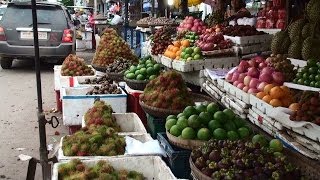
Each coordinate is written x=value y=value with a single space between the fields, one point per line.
x=126 y=18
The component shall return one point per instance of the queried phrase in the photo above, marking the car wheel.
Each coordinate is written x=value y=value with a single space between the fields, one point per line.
x=6 y=63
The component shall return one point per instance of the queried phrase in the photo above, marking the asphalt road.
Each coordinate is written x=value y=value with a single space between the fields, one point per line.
x=19 y=130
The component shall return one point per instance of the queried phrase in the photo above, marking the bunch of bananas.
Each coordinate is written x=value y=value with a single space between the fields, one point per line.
x=190 y=3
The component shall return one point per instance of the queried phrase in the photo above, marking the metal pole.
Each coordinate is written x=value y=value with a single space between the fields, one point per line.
x=41 y=118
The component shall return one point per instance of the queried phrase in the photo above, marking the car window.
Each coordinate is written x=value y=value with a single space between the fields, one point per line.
x=22 y=16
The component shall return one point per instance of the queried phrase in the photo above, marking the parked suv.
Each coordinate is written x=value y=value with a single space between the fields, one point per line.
x=55 y=29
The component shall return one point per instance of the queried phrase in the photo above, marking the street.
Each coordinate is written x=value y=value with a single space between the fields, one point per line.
x=18 y=118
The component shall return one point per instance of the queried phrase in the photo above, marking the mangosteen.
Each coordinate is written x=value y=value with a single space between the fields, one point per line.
x=195 y=154
x=240 y=164
x=215 y=156
x=200 y=163
x=216 y=175
x=207 y=171
x=248 y=173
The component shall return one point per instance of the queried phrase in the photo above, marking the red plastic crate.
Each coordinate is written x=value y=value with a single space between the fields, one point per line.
x=134 y=106
x=58 y=101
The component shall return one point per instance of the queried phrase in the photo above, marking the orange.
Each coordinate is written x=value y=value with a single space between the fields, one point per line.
x=275 y=103
x=166 y=53
x=176 y=43
x=285 y=89
x=185 y=43
x=260 y=95
x=178 y=53
x=178 y=57
x=267 y=88
x=267 y=98
x=286 y=101
x=276 y=92
x=170 y=47
x=175 y=49
x=294 y=106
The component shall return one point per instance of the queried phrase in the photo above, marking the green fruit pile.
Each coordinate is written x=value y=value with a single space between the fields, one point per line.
x=167 y=91
x=309 y=75
x=75 y=169
x=147 y=69
x=206 y=122
x=75 y=66
x=192 y=37
x=94 y=141
x=191 y=53
x=100 y=114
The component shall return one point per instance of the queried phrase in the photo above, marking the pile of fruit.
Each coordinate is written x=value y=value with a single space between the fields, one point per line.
x=100 y=114
x=111 y=47
x=308 y=108
x=94 y=141
x=145 y=21
x=277 y=96
x=174 y=50
x=97 y=80
x=105 y=88
x=75 y=66
x=282 y=64
x=161 y=21
x=207 y=122
x=167 y=91
x=192 y=24
x=215 y=18
x=190 y=54
x=147 y=69
x=192 y=37
x=253 y=75
x=119 y=65
x=241 y=30
x=302 y=38
x=162 y=39
x=309 y=75
x=224 y=159
x=75 y=169
x=213 y=41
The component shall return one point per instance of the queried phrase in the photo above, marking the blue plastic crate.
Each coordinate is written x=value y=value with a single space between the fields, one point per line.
x=177 y=158
x=155 y=125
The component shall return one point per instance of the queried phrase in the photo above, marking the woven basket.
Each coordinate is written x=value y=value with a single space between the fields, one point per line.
x=184 y=143
x=136 y=84
x=143 y=25
x=115 y=76
x=101 y=69
x=198 y=175
x=163 y=113
x=157 y=112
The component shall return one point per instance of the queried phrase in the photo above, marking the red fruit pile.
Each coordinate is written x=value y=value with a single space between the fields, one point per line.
x=75 y=66
x=167 y=91
x=213 y=41
x=241 y=30
x=192 y=24
x=308 y=108
x=111 y=47
x=162 y=39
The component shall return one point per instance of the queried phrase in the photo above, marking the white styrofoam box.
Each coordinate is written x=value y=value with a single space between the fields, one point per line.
x=261 y=105
x=262 y=126
x=236 y=111
x=87 y=35
x=221 y=62
x=166 y=61
x=80 y=44
x=130 y=91
x=75 y=103
x=97 y=37
x=211 y=91
x=156 y=58
x=264 y=118
x=215 y=86
x=140 y=137
x=304 y=128
x=244 y=40
x=184 y=66
x=298 y=63
x=269 y=31
x=69 y=81
x=295 y=145
x=130 y=123
x=306 y=142
x=88 y=44
x=236 y=92
x=254 y=48
x=238 y=101
x=191 y=77
x=301 y=87
x=219 y=51
x=56 y=74
x=235 y=105
x=152 y=167
x=216 y=90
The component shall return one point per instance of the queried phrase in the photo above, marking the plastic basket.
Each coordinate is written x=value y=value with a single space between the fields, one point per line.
x=155 y=125
x=177 y=158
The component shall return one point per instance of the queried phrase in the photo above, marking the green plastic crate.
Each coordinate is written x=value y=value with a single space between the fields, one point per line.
x=155 y=125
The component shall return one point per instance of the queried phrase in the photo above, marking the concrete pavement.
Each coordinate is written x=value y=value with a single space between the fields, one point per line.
x=18 y=116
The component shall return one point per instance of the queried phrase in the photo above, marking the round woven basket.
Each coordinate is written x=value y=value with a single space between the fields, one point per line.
x=184 y=143
x=163 y=113
x=195 y=172
x=115 y=76
x=143 y=25
x=101 y=69
x=136 y=84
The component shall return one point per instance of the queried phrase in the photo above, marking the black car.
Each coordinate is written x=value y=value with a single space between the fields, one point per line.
x=56 y=33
